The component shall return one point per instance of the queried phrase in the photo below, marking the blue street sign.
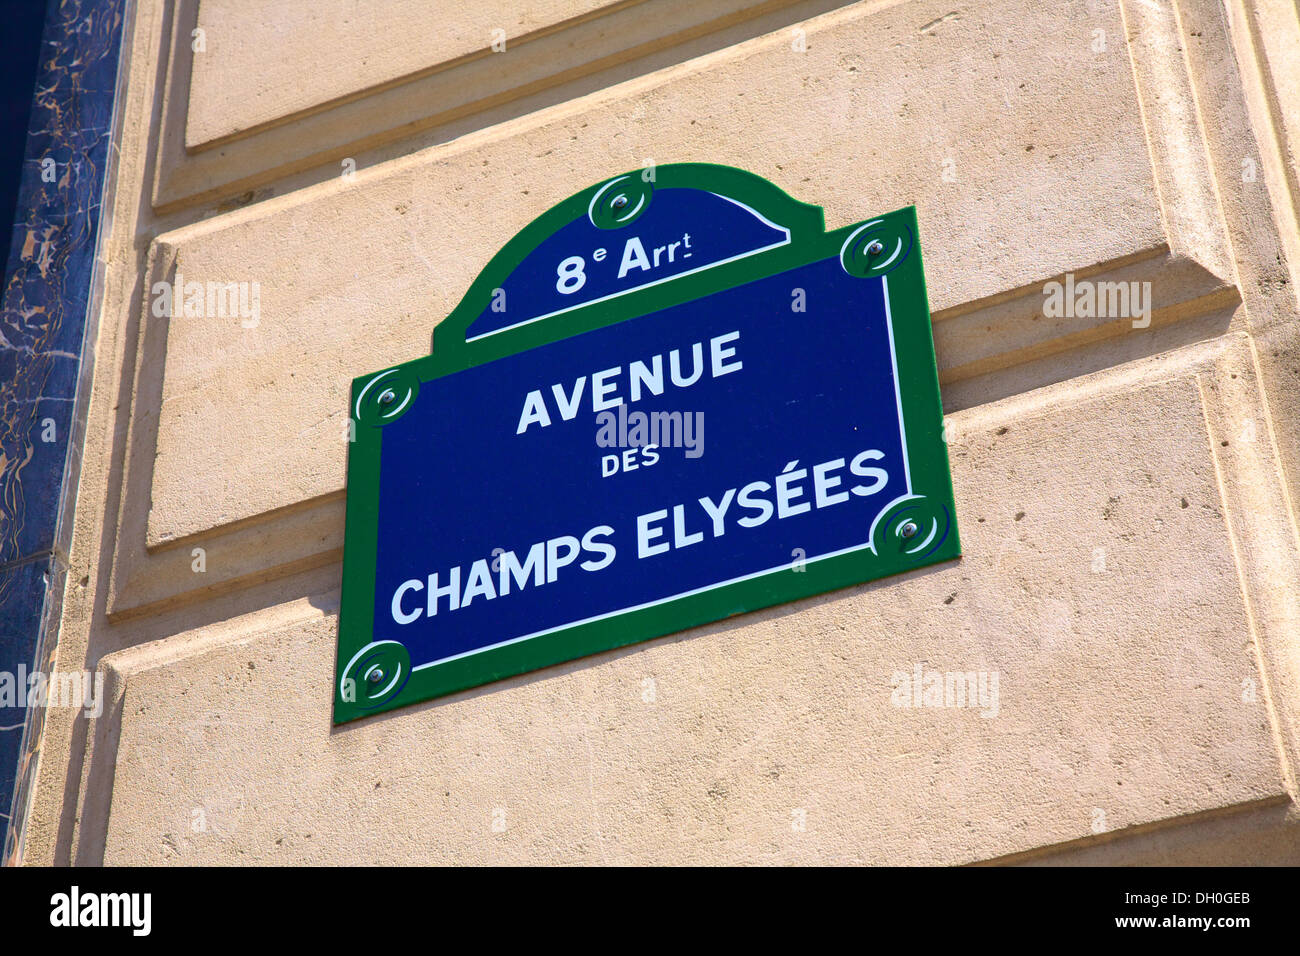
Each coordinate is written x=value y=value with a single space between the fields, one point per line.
x=665 y=402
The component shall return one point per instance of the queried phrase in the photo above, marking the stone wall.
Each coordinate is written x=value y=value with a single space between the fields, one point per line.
x=1126 y=494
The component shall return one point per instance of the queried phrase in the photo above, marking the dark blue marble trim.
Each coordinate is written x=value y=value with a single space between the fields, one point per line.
x=46 y=351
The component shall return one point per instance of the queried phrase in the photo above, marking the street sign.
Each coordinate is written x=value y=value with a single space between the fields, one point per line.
x=670 y=399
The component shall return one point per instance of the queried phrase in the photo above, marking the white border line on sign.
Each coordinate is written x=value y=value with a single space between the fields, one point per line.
x=898 y=386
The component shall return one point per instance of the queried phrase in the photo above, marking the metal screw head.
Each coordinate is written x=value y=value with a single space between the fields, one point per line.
x=375 y=676
x=875 y=247
x=387 y=397
x=619 y=202
x=909 y=529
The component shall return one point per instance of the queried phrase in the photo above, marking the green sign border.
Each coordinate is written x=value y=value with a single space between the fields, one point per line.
x=864 y=248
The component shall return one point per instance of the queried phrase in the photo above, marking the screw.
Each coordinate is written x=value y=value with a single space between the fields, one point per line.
x=375 y=676
x=619 y=202
x=909 y=529
x=875 y=248
x=387 y=397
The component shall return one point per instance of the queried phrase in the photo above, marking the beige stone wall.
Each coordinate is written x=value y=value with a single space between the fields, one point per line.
x=1126 y=495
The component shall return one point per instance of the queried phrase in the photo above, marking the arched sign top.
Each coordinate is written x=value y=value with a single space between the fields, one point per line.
x=629 y=234
x=670 y=233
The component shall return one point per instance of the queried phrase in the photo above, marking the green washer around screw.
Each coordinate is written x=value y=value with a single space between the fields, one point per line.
x=376 y=674
x=876 y=248
x=913 y=527
x=386 y=396
x=619 y=202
